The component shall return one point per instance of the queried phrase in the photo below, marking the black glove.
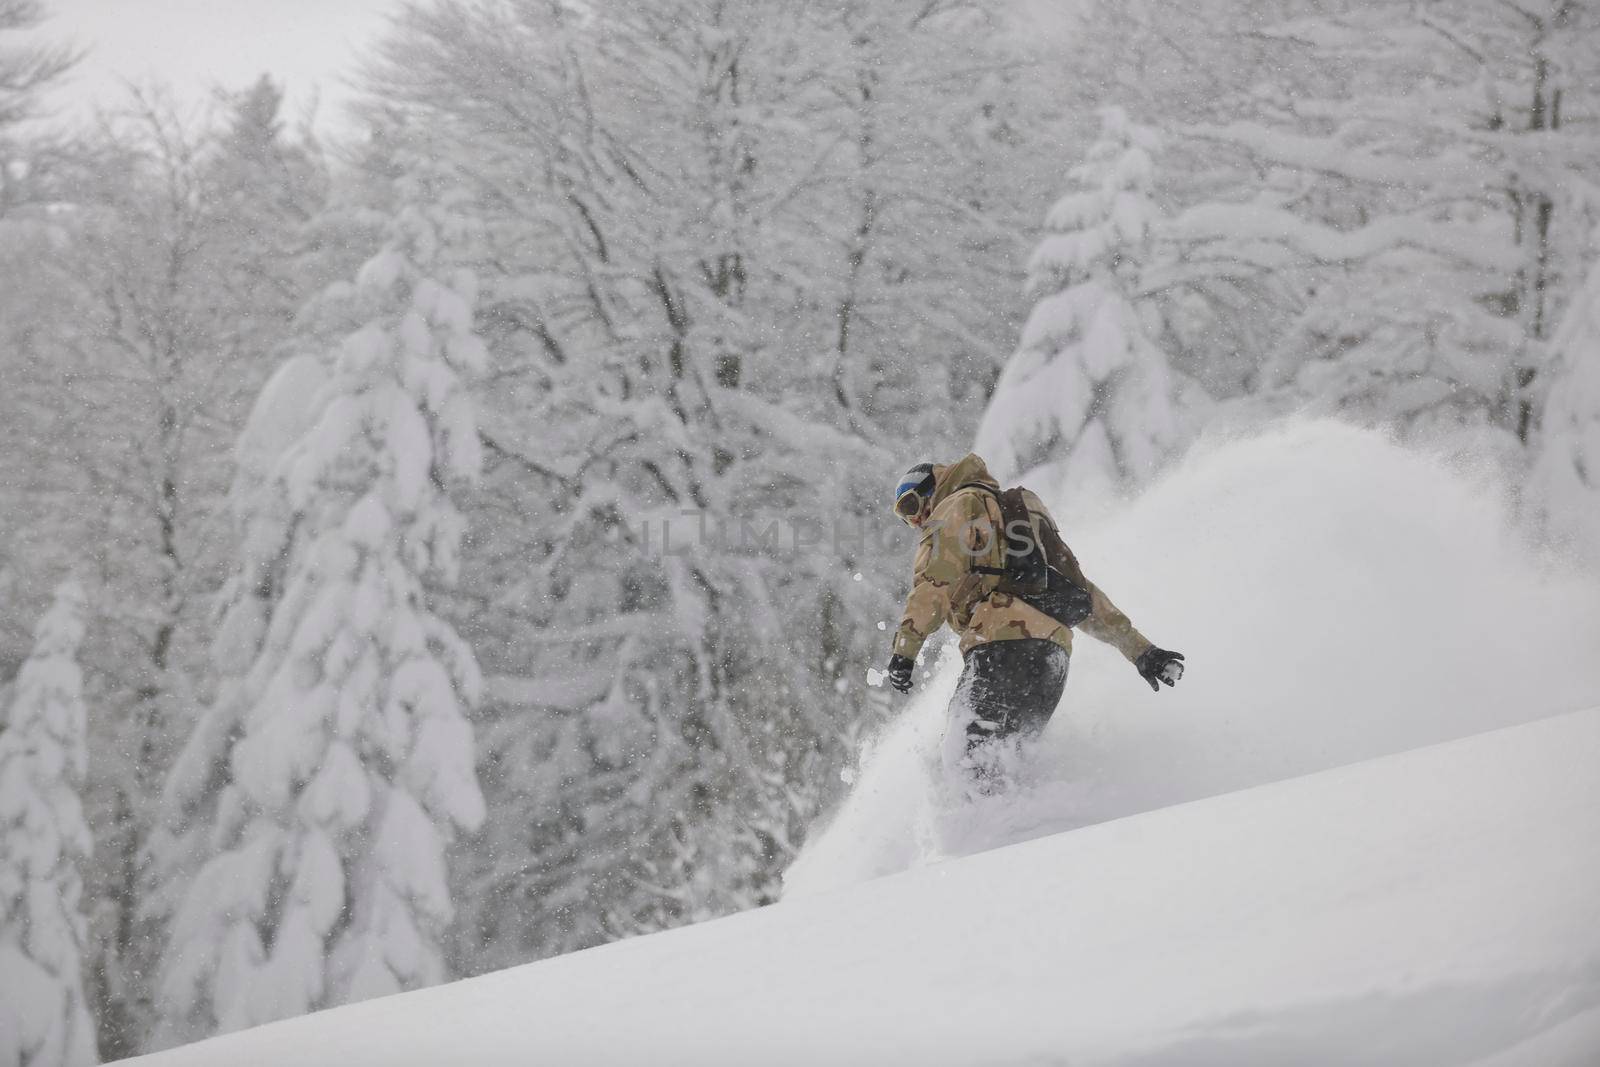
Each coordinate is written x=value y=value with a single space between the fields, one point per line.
x=899 y=672
x=1157 y=665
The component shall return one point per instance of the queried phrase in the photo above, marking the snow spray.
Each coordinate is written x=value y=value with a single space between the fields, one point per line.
x=1339 y=597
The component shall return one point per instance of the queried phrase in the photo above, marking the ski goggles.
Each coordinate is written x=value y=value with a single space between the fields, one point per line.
x=911 y=495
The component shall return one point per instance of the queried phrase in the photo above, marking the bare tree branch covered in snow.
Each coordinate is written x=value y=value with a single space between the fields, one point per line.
x=712 y=252
x=27 y=71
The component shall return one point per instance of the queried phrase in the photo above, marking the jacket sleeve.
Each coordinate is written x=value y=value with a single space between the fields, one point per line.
x=1107 y=623
x=928 y=603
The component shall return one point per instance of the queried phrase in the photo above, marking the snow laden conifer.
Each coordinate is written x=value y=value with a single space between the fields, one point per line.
x=341 y=761
x=44 y=1018
x=1567 y=466
x=1087 y=405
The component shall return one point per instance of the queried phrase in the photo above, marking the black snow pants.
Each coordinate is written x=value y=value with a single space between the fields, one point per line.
x=1008 y=688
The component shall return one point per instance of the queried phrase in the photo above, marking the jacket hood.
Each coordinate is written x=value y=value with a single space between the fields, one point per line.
x=964 y=471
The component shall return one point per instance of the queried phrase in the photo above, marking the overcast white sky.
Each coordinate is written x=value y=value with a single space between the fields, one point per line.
x=195 y=45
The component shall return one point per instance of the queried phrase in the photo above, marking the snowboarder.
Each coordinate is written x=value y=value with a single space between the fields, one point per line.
x=992 y=565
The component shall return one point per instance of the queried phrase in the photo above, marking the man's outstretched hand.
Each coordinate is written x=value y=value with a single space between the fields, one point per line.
x=899 y=672
x=1157 y=665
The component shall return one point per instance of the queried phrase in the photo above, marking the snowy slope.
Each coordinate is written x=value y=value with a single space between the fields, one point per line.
x=1434 y=907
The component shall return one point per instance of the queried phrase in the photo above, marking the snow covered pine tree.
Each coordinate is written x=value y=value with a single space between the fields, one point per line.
x=345 y=750
x=44 y=1018
x=1088 y=397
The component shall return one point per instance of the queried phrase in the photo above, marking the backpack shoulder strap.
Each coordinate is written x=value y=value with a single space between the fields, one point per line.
x=1025 y=563
x=999 y=497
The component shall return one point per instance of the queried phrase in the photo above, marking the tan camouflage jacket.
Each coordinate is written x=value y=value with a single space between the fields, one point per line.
x=963 y=531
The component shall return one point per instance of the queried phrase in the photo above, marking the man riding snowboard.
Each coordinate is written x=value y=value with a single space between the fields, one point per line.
x=993 y=566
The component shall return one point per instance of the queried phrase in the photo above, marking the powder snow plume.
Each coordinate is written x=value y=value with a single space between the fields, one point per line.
x=1338 y=596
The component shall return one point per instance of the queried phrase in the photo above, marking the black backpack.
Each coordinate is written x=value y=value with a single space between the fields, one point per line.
x=1041 y=571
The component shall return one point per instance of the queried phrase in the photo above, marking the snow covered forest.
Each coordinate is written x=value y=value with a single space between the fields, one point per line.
x=459 y=538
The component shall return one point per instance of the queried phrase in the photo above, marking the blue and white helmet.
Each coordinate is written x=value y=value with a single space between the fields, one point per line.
x=913 y=491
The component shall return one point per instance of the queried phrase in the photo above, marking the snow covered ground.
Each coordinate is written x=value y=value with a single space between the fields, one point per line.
x=1435 y=907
